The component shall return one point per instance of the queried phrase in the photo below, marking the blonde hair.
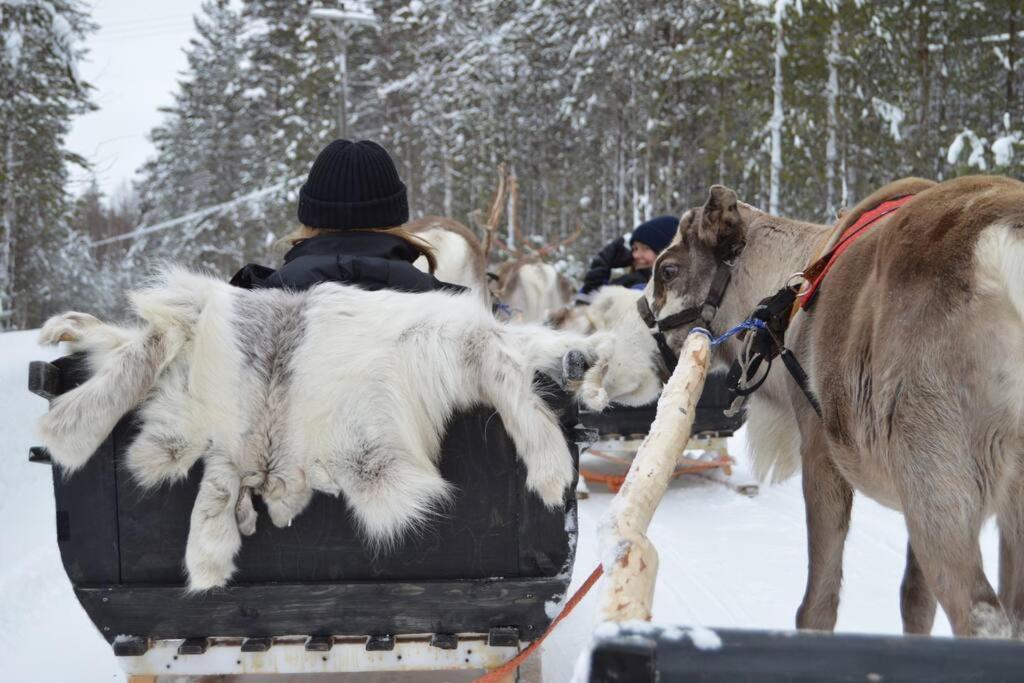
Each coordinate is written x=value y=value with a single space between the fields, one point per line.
x=426 y=250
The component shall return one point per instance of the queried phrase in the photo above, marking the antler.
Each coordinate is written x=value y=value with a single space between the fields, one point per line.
x=494 y=213
x=513 y=218
x=549 y=248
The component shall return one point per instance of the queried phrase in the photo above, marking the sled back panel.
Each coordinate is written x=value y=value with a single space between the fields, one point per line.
x=494 y=527
x=491 y=560
x=89 y=544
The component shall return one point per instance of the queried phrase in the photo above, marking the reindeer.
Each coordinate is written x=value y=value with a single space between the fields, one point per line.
x=914 y=347
x=460 y=256
x=527 y=284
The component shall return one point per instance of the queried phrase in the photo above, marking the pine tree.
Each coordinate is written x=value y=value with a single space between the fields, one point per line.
x=40 y=91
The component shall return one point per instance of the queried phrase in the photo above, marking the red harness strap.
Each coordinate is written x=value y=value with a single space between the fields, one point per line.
x=817 y=271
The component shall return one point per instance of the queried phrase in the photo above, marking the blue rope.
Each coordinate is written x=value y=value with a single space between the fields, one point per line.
x=748 y=324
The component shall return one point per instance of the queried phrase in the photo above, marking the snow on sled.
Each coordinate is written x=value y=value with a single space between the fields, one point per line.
x=465 y=592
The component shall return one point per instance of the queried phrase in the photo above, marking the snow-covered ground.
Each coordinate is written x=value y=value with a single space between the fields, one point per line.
x=726 y=560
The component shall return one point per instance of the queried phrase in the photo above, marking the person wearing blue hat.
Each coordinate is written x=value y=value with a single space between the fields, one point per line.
x=645 y=243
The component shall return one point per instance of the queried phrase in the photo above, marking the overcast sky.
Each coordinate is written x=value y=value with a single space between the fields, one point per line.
x=134 y=62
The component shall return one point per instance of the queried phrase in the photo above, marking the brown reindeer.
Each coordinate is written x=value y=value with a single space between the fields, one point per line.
x=526 y=283
x=914 y=347
x=459 y=254
x=461 y=258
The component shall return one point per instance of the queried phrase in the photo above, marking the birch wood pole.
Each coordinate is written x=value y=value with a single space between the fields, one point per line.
x=630 y=559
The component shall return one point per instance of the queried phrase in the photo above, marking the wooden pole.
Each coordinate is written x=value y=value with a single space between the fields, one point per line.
x=630 y=560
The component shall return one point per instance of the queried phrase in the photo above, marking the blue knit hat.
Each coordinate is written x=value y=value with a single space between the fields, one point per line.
x=656 y=233
x=353 y=185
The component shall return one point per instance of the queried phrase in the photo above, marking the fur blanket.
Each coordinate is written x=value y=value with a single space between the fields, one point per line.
x=281 y=394
x=635 y=376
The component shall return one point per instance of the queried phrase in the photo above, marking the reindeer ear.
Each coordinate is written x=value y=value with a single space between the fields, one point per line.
x=721 y=227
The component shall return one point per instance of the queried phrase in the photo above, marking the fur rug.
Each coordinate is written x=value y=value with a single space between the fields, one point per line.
x=281 y=394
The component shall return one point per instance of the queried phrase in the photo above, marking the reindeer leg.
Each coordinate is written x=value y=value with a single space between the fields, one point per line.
x=531 y=424
x=213 y=535
x=82 y=332
x=245 y=513
x=944 y=515
x=828 y=499
x=1010 y=517
x=917 y=601
x=79 y=420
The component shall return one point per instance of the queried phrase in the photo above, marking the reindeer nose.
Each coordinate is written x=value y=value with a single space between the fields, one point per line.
x=574 y=366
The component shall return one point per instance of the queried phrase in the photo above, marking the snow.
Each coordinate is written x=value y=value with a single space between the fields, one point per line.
x=955 y=150
x=1003 y=150
x=726 y=561
x=12 y=47
x=977 y=156
x=38 y=607
x=891 y=114
x=704 y=638
x=359 y=15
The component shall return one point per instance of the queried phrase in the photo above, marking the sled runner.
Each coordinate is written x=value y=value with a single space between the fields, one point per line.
x=617 y=432
x=465 y=592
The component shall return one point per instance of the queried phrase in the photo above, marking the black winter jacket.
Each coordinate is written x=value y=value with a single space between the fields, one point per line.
x=370 y=260
x=615 y=254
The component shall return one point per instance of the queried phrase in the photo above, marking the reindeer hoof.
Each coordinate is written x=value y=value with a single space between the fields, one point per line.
x=67 y=327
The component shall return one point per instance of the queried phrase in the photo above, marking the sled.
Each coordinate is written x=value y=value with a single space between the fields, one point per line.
x=467 y=593
x=617 y=433
x=666 y=654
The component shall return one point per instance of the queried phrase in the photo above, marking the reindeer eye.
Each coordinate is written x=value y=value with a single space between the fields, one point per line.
x=669 y=271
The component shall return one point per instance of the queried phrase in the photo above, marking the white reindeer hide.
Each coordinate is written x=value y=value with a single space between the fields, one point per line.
x=281 y=393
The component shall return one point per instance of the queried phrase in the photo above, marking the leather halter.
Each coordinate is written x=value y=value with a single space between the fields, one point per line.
x=704 y=313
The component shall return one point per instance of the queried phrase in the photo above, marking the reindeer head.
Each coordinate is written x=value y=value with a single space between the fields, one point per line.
x=684 y=270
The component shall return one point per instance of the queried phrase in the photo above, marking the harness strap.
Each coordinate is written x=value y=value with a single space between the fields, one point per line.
x=704 y=313
x=800 y=377
x=667 y=356
x=817 y=271
x=767 y=343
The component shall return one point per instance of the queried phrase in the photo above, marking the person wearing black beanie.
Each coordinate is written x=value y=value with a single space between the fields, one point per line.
x=645 y=243
x=351 y=209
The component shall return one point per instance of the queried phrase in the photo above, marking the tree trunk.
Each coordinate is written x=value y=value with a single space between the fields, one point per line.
x=448 y=196
x=7 y=239
x=924 y=77
x=1010 y=55
x=831 y=97
x=778 y=116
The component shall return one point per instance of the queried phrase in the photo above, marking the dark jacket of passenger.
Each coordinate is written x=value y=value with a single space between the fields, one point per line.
x=370 y=260
x=615 y=254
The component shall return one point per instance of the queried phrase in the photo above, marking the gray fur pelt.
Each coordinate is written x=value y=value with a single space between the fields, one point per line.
x=281 y=394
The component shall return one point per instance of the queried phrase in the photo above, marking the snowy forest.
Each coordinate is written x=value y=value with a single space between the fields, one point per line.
x=607 y=112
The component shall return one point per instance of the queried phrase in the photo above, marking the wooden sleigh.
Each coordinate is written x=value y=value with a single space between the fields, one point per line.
x=617 y=433
x=467 y=593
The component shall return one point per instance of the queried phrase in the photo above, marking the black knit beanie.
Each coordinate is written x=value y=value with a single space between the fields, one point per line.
x=353 y=185
x=656 y=233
